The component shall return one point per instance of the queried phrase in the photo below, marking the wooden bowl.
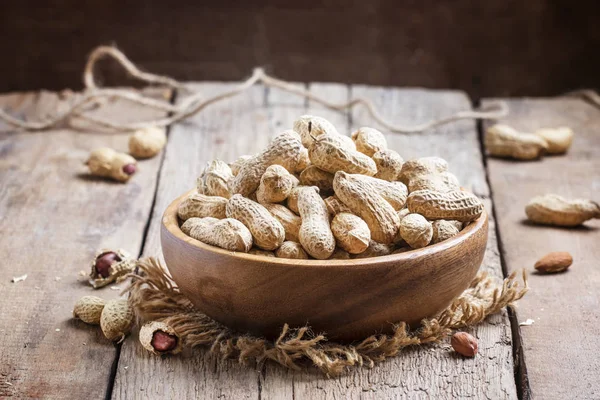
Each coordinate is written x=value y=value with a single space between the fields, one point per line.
x=346 y=299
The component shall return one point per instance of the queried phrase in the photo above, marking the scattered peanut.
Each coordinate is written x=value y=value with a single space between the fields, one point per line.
x=291 y=249
x=267 y=231
x=557 y=261
x=552 y=209
x=228 y=233
x=369 y=141
x=330 y=157
x=290 y=221
x=159 y=338
x=275 y=185
x=416 y=230
x=389 y=164
x=559 y=139
x=315 y=234
x=214 y=179
x=199 y=206
x=116 y=319
x=110 y=266
x=464 y=344
x=285 y=149
x=375 y=249
x=89 y=309
x=313 y=176
x=107 y=163
x=505 y=141
x=359 y=196
x=351 y=233
x=148 y=142
x=444 y=230
x=456 y=205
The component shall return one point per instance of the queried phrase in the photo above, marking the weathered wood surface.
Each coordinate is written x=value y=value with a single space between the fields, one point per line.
x=243 y=125
x=561 y=347
x=53 y=218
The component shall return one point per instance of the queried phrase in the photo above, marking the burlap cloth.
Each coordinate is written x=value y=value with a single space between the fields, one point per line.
x=154 y=296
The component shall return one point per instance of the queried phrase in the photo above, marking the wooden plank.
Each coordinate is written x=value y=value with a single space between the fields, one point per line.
x=225 y=131
x=432 y=372
x=561 y=347
x=54 y=218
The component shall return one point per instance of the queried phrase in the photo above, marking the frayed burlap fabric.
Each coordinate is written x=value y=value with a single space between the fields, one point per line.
x=155 y=297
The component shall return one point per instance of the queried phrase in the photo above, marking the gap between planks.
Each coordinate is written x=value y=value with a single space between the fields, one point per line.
x=519 y=363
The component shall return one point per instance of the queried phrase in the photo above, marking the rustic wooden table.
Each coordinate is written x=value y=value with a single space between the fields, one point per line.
x=54 y=217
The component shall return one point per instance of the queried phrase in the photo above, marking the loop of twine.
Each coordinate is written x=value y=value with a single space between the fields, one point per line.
x=194 y=103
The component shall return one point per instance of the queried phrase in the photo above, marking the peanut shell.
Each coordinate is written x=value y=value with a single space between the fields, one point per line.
x=456 y=205
x=267 y=231
x=148 y=142
x=229 y=234
x=504 y=141
x=285 y=149
x=416 y=230
x=552 y=209
x=147 y=338
x=89 y=309
x=351 y=233
x=199 y=205
x=360 y=197
x=330 y=157
x=116 y=320
x=315 y=233
x=369 y=141
x=292 y=250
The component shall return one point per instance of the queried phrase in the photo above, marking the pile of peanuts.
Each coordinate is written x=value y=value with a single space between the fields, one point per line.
x=314 y=193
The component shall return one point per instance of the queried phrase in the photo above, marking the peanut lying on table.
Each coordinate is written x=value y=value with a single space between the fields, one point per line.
x=552 y=209
x=108 y=163
x=146 y=143
x=505 y=141
x=315 y=193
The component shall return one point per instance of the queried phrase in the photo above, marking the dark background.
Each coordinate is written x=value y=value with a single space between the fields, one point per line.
x=488 y=48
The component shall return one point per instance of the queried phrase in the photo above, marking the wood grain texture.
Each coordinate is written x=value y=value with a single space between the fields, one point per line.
x=430 y=372
x=54 y=218
x=224 y=131
x=561 y=347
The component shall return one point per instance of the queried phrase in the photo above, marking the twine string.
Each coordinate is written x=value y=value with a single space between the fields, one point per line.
x=195 y=102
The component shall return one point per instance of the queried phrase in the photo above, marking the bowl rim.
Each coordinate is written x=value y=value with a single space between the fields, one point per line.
x=170 y=222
